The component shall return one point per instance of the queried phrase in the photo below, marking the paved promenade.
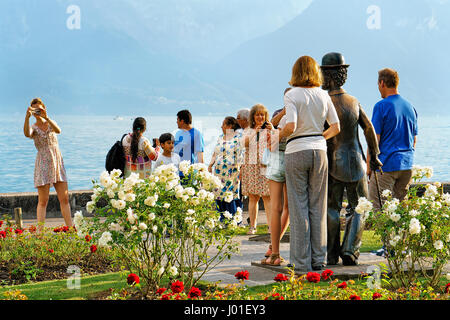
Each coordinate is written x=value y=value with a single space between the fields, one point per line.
x=252 y=252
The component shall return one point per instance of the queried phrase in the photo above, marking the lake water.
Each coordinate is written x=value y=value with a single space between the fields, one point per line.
x=85 y=140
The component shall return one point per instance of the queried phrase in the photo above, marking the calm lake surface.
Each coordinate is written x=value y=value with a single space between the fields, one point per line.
x=85 y=140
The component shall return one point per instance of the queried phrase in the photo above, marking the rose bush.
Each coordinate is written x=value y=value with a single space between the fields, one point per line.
x=163 y=226
x=415 y=231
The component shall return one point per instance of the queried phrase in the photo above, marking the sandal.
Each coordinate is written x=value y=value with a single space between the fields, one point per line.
x=251 y=231
x=269 y=252
x=273 y=260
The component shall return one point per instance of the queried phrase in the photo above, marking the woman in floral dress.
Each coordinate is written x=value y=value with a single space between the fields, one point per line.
x=226 y=160
x=255 y=185
x=49 y=166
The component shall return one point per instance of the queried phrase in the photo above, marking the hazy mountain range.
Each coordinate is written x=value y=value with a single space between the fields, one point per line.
x=156 y=57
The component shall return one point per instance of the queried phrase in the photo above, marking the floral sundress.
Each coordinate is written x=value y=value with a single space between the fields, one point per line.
x=49 y=164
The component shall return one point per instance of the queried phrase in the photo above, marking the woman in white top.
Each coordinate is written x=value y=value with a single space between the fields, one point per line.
x=307 y=109
x=139 y=153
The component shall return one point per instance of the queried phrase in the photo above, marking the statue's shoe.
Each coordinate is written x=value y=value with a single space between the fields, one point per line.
x=348 y=260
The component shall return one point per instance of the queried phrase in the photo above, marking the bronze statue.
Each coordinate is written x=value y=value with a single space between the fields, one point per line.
x=346 y=163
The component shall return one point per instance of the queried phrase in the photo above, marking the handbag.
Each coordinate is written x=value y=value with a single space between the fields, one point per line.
x=265 y=157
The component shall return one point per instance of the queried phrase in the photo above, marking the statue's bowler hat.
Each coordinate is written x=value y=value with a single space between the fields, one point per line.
x=333 y=60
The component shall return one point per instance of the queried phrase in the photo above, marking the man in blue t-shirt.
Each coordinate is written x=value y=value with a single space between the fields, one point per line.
x=189 y=143
x=395 y=123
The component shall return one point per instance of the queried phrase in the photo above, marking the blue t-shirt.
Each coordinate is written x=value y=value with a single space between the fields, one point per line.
x=188 y=144
x=395 y=120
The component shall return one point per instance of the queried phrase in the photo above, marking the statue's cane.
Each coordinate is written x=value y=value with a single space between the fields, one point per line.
x=378 y=186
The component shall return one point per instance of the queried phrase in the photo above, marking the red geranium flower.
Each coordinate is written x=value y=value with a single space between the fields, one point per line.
x=161 y=290
x=447 y=288
x=51 y=250
x=1 y=222
x=65 y=229
x=177 y=286
x=194 y=293
x=132 y=279
x=2 y=234
x=280 y=277
x=275 y=296
x=18 y=231
x=342 y=285
x=32 y=229
x=88 y=238
x=56 y=230
x=165 y=297
x=93 y=248
x=313 y=277
x=326 y=274
x=355 y=297
x=242 y=275
x=376 y=295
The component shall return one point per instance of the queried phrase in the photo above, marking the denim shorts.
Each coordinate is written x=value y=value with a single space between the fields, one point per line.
x=276 y=168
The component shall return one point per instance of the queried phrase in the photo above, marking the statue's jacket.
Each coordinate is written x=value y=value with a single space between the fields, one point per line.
x=346 y=159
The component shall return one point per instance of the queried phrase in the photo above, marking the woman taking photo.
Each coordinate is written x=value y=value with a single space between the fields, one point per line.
x=307 y=109
x=138 y=150
x=254 y=182
x=226 y=160
x=49 y=166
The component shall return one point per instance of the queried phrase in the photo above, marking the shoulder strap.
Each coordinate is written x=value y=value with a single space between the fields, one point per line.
x=123 y=137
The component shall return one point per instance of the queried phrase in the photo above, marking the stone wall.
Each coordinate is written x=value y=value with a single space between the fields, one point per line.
x=78 y=199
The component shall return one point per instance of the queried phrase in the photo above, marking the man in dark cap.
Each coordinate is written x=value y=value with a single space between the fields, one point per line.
x=346 y=163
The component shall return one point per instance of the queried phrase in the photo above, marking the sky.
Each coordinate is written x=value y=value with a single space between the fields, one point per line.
x=97 y=56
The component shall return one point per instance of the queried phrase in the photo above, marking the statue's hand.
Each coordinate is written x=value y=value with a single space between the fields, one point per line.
x=375 y=163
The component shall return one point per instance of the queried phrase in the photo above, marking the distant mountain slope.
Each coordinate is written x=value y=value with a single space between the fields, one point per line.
x=413 y=38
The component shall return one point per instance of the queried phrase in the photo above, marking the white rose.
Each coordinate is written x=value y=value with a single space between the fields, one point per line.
x=173 y=271
x=119 y=204
x=151 y=201
x=155 y=229
x=190 y=191
x=446 y=198
x=228 y=196
x=228 y=215
x=90 y=206
x=184 y=166
x=202 y=194
x=210 y=224
x=110 y=193
x=151 y=216
x=142 y=226
x=386 y=193
x=394 y=217
x=190 y=211
x=105 y=239
x=395 y=240
x=438 y=245
x=414 y=226
x=166 y=205
x=414 y=213
x=130 y=197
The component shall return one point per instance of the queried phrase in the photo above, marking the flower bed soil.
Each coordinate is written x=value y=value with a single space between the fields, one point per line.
x=59 y=272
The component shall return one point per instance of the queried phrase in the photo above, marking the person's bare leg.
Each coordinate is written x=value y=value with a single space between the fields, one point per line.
x=253 y=209
x=63 y=197
x=276 y=191
x=267 y=206
x=285 y=214
x=41 y=209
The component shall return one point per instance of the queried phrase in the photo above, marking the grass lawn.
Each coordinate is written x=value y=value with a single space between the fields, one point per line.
x=58 y=289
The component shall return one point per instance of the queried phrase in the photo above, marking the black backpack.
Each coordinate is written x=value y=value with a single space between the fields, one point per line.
x=115 y=159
